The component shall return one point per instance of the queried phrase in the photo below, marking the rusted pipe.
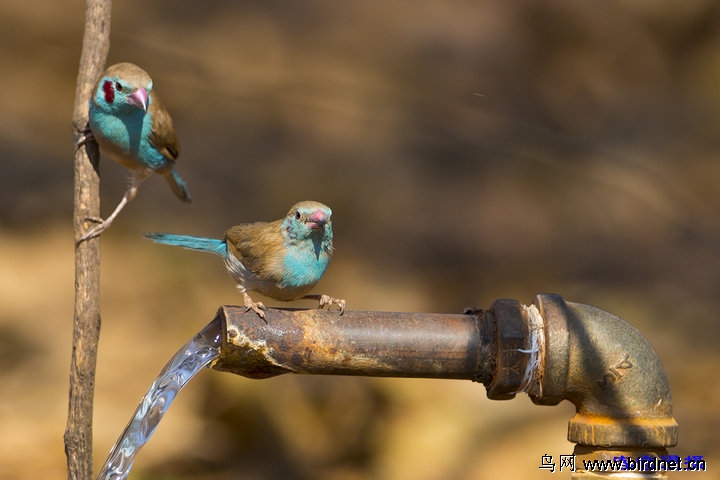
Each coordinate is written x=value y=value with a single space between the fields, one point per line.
x=380 y=344
x=553 y=350
x=612 y=375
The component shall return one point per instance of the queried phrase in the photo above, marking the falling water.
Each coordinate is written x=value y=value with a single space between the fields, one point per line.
x=184 y=365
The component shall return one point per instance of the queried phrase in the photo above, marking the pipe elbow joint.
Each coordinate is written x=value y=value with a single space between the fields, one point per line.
x=609 y=371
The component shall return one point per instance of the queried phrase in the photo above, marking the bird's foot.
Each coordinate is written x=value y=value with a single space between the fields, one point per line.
x=326 y=302
x=103 y=225
x=256 y=307
x=87 y=135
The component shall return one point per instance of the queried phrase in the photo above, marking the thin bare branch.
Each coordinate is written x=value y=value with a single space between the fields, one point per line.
x=86 y=321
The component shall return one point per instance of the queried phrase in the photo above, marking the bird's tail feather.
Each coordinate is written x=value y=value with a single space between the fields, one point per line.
x=178 y=185
x=212 y=245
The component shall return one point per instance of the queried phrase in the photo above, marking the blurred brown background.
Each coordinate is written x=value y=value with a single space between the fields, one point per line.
x=470 y=150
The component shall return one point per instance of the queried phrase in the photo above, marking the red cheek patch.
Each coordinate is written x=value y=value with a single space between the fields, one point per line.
x=109 y=91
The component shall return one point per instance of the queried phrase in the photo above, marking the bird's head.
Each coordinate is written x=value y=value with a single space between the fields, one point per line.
x=308 y=219
x=123 y=86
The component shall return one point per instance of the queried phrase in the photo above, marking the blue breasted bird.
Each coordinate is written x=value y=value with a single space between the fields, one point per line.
x=283 y=259
x=130 y=124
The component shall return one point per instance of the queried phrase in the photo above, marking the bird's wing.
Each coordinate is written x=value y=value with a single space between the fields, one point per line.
x=258 y=246
x=163 y=135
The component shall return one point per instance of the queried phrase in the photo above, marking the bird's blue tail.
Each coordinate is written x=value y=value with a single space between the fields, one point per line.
x=212 y=245
x=178 y=185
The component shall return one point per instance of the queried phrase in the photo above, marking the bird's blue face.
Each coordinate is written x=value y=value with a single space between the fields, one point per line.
x=307 y=233
x=306 y=221
x=117 y=94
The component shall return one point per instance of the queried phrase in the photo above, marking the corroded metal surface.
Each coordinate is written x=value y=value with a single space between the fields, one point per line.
x=553 y=350
x=356 y=343
x=609 y=372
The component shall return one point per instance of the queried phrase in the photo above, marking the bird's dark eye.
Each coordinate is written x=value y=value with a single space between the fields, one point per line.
x=297 y=215
x=118 y=86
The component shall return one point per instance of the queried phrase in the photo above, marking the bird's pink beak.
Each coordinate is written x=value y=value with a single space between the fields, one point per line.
x=139 y=98
x=317 y=220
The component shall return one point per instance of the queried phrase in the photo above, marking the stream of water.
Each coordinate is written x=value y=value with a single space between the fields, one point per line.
x=184 y=365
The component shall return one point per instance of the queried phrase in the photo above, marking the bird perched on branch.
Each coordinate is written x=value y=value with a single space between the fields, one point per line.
x=283 y=259
x=132 y=126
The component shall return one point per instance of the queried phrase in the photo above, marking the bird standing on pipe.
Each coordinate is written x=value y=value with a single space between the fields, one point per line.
x=283 y=259
x=132 y=126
